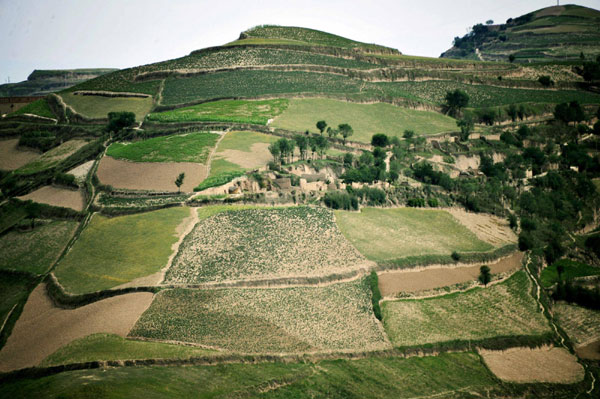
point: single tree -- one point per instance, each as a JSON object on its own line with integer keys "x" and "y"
{"x": 484, "y": 275}
{"x": 546, "y": 81}
{"x": 346, "y": 131}
{"x": 179, "y": 181}
{"x": 455, "y": 101}
{"x": 512, "y": 112}
{"x": 380, "y": 140}
{"x": 322, "y": 145}
{"x": 119, "y": 120}
{"x": 511, "y": 58}
{"x": 408, "y": 134}
{"x": 321, "y": 125}
{"x": 302, "y": 144}
{"x": 466, "y": 125}
{"x": 275, "y": 151}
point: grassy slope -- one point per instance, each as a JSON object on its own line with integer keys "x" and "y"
{"x": 572, "y": 269}
{"x": 503, "y": 309}
{"x": 385, "y": 234}
{"x": 190, "y": 147}
{"x": 52, "y": 158}
{"x": 366, "y": 119}
{"x": 113, "y": 251}
{"x": 374, "y": 377}
{"x": 240, "y": 111}
{"x": 13, "y": 289}
{"x": 35, "y": 251}
{"x": 39, "y": 107}
{"x": 238, "y": 141}
{"x": 113, "y": 347}
{"x": 99, "y": 106}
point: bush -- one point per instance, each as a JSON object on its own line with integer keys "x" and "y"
{"x": 120, "y": 120}
{"x": 341, "y": 200}
{"x": 64, "y": 179}
{"x": 416, "y": 202}
{"x": 380, "y": 140}
{"x": 433, "y": 202}
{"x": 546, "y": 81}
{"x": 455, "y": 256}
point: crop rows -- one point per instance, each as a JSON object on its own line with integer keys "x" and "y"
{"x": 263, "y": 244}
{"x": 335, "y": 317}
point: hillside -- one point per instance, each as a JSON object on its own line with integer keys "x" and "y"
{"x": 549, "y": 34}
{"x": 41, "y": 82}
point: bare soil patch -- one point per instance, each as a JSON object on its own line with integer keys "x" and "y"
{"x": 11, "y": 157}
{"x": 465, "y": 163}
{"x": 257, "y": 156}
{"x": 431, "y": 277}
{"x": 44, "y": 328}
{"x": 154, "y": 176}
{"x": 546, "y": 364}
{"x": 80, "y": 172}
{"x": 488, "y": 228}
{"x": 57, "y": 196}
{"x": 589, "y": 351}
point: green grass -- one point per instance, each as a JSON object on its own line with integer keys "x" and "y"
{"x": 113, "y": 347}
{"x": 388, "y": 234}
{"x": 113, "y": 251}
{"x": 100, "y": 106}
{"x": 298, "y": 319}
{"x": 444, "y": 376}
{"x": 52, "y": 158}
{"x": 264, "y": 243}
{"x": 190, "y": 147}
{"x": 36, "y": 250}
{"x": 501, "y": 310}
{"x": 14, "y": 289}
{"x": 366, "y": 119}
{"x": 225, "y": 175}
{"x": 39, "y": 107}
{"x": 10, "y": 215}
{"x": 571, "y": 269}
{"x": 239, "y": 111}
{"x": 243, "y": 141}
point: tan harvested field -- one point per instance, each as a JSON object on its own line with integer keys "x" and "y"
{"x": 487, "y": 228}
{"x": 257, "y": 156}
{"x": 11, "y": 157}
{"x": 583, "y": 327}
{"x": 546, "y": 364}
{"x": 44, "y": 328}
{"x": 431, "y": 277}
{"x": 152, "y": 176}
{"x": 80, "y": 172}
{"x": 57, "y": 196}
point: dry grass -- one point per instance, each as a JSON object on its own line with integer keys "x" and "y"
{"x": 152, "y": 176}
{"x": 44, "y": 328}
{"x": 583, "y": 327}
{"x": 57, "y": 196}
{"x": 487, "y": 228}
{"x": 299, "y": 319}
{"x": 546, "y": 364}
{"x": 80, "y": 172}
{"x": 258, "y": 244}
{"x": 11, "y": 157}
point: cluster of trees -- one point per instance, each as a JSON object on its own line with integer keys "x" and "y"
{"x": 283, "y": 149}
{"x": 478, "y": 34}
{"x": 343, "y": 129}
{"x": 367, "y": 168}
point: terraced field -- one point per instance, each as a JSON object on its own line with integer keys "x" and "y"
{"x": 238, "y": 152}
{"x": 571, "y": 270}
{"x": 365, "y": 119}
{"x": 12, "y": 157}
{"x": 277, "y": 320}
{"x": 53, "y": 157}
{"x": 580, "y": 323}
{"x": 503, "y": 309}
{"x": 57, "y": 196}
{"x": 100, "y": 106}
{"x": 39, "y": 107}
{"x": 259, "y": 244}
{"x": 114, "y": 251}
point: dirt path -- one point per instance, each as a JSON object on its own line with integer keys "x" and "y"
{"x": 394, "y": 282}
{"x": 44, "y": 328}
{"x": 213, "y": 152}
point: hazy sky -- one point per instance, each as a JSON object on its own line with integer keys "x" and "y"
{"x": 55, "y": 34}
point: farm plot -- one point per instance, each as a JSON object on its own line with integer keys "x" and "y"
{"x": 429, "y": 278}
{"x": 503, "y": 309}
{"x": 100, "y": 106}
{"x": 366, "y": 119}
{"x": 53, "y": 157}
{"x": 14, "y": 289}
{"x": 11, "y": 157}
{"x": 38, "y": 107}
{"x": 487, "y": 228}
{"x": 389, "y": 234}
{"x": 35, "y": 250}
{"x": 114, "y": 347}
{"x": 44, "y": 328}
{"x": 241, "y": 151}
{"x": 114, "y": 251}
{"x": 190, "y": 147}
{"x": 571, "y": 270}
{"x": 582, "y": 326}
{"x": 57, "y": 196}
{"x": 149, "y": 176}
{"x": 263, "y": 244}
{"x": 300, "y": 319}
{"x": 522, "y": 365}
{"x": 257, "y": 112}
{"x": 81, "y": 171}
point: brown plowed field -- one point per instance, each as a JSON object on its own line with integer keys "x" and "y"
{"x": 11, "y": 157}
{"x": 391, "y": 283}
{"x": 589, "y": 351}
{"x": 43, "y": 328}
{"x": 154, "y": 176}
{"x": 57, "y": 197}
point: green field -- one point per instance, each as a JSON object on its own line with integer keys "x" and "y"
{"x": 580, "y": 324}
{"x": 268, "y": 243}
{"x": 239, "y": 111}
{"x": 100, "y": 106}
{"x": 14, "y": 289}
{"x": 388, "y": 234}
{"x": 444, "y": 376}
{"x": 113, "y": 347}
{"x": 365, "y": 119}
{"x": 189, "y": 147}
{"x": 299, "y": 319}
{"x": 52, "y": 158}
{"x": 38, "y": 107}
{"x": 34, "y": 251}
{"x": 114, "y": 251}
{"x": 500, "y": 310}
{"x": 571, "y": 270}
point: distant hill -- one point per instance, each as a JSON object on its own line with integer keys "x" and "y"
{"x": 41, "y": 82}
{"x": 549, "y": 34}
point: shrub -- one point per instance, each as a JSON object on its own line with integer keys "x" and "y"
{"x": 525, "y": 242}
{"x": 416, "y": 202}
{"x": 380, "y": 140}
{"x": 455, "y": 256}
{"x": 65, "y": 179}
{"x": 341, "y": 200}
{"x": 546, "y": 81}
{"x": 433, "y": 202}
